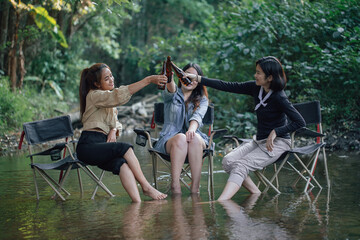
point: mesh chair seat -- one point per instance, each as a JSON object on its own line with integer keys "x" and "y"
{"x": 59, "y": 165}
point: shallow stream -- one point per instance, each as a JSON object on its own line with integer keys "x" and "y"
{"x": 332, "y": 213}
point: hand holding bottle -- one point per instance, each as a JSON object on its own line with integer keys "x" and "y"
{"x": 193, "y": 77}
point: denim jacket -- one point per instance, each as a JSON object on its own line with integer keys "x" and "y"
{"x": 177, "y": 119}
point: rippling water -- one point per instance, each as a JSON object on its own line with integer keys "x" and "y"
{"x": 328, "y": 214}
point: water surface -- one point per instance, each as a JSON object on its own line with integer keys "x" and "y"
{"x": 332, "y": 213}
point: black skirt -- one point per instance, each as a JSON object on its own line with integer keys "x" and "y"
{"x": 93, "y": 149}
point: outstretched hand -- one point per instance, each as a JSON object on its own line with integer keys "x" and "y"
{"x": 193, "y": 77}
{"x": 157, "y": 79}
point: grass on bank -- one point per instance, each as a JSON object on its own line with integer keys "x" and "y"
{"x": 26, "y": 105}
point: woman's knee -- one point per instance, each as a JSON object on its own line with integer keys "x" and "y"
{"x": 197, "y": 142}
{"x": 178, "y": 141}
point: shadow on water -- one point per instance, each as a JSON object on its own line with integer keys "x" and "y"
{"x": 326, "y": 214}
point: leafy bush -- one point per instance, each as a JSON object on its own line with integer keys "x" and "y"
{"x": 28, "y": 105}
{"x": 14, "y": 109}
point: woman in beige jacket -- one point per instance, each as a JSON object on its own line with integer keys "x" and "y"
{"x": 97, "y": 144}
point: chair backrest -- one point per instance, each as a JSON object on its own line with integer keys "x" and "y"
{"x": 310, "y": 111}
{"x": 159, "y": 114}
{"x": 48, "y": 130}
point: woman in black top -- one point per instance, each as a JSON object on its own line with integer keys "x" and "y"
{"x": 272, "y": 109}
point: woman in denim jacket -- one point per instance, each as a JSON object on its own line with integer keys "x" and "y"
{"x": 184, "y": 109}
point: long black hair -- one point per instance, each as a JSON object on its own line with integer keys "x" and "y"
{"x": 272, "y": 66}
{"x": 90, "y": 79}
{"x": 200, "y": 90}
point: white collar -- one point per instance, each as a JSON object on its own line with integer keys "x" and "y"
{"x": 262, "y": 101}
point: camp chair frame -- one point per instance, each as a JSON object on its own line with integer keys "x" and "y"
{"x": 311, "y": 112}
{"x": 144, "y": 138}
{"x": 47, "y": 131}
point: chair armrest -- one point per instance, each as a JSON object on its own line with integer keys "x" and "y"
{"x": 51, "y": 151}
{"x": 236, "y": 139}
{"x": 143, "y": 136}
{"x": 216, "y": 134}
{"x": 306, "y": 132}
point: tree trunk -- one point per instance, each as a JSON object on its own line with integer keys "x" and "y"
{"x": 4, "y": 10}
{"x": 12, "y": 54}
{"x": 21, "y": 64}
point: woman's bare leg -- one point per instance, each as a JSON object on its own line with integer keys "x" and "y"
{"x": 195, "y": 153}
{"x": 250, "y": 185}
{"x": 129, "y": 183}
{"x": 134, "y": 165}
{"x": 178, "y": 149}
{"x": 229, "y": 191}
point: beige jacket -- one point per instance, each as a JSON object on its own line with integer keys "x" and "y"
{"x": 100, "y": 111}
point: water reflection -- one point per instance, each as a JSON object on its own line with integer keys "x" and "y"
{"x": 189, "y": 224}
{"x": 138, "y": 219}
{"x": 292, "y": 215}
{"x": 242, "y": 226}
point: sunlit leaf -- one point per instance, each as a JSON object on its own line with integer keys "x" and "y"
{"x": 57, "y": 89}
{"x": 48, "y": 23}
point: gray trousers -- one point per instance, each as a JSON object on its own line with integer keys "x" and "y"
{"x": 252, "y": 156}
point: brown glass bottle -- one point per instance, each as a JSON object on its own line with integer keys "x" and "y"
{"x": 168, "y": 69}
{"x": 163, "y": 72}
{"x": 180, "y": 74}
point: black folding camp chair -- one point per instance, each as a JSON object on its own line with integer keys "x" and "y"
{"x": 144, "y": 138}
{"x": 311, "y": 112}
{"x": 57, "y": 133}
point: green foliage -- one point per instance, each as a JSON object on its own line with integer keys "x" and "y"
{"x": 28, "y": 105}
{"x": 13, "y": 108}
{"x": 317, "y": 42}
{"x": 47, "y": 23}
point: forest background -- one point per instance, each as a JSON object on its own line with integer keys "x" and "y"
{"x": 44, "y": 45}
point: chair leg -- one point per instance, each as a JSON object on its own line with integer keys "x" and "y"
{"x": 61, "y": 183}
{"x": 276, "y": 173}
{"x": 211, "y": 174}
{"x": 260, "y": 180}
{"x": 80, "y": 182}
{"x": 36, "y": 186}
{"x": 299, "y": 173}
{"x": 307, "y": 170}
{"x": 303, "y": 171}
{"x": 97, "y": 186}
{"x": 267, "y": 181}
{"x": 276, "y": 178}
{"x": 90, "y": 173}
{"x": 312, "y": 170}
{"x": 44, "y": 176}
{"x": 326, "y": 168}
{"x": 155, "y": 169}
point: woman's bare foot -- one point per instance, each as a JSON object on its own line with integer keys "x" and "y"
{"x": 195, "y": 190}
{"x": 152, "y": 192}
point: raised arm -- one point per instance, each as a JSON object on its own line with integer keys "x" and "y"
{"x": 233, "y": 87}
{"x": 155, "y": 79}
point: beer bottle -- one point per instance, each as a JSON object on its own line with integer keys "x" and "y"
{"x": 168, "y": 69}
{"x": 180, "y": 74}
{"x": 163, "y": 72}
